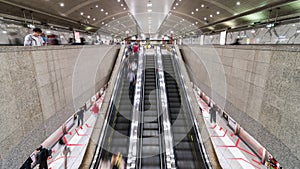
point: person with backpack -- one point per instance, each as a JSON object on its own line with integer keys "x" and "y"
{"x": 34, "y": 39}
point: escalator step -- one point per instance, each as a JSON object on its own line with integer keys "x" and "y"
{"x": 150, "y": 133}
{"x": 148, "y": 126}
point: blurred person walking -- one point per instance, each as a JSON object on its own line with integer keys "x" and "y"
{"x": 34, "y": 39}
{"x": 80, "y": 117}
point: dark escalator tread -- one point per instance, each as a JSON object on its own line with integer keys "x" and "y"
{"x": 183, "y": 164}
{"x": 153, "y": 126}
{"x": 151, "y": 162}
{"x": 151, "y": 141}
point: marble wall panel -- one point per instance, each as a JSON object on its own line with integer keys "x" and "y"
{"x": 262, "y": 92}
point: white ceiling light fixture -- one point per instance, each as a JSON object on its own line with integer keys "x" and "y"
{"x": 89, "y": 16}
{"x": 81, "y": 13}
{"x": 149, "y": 10}
{"x": 113, "y": 18}
{"x": 124, "y": 8}
{"x": 211, "y": 16}
{"x": 106, "y": 13}
{"x": 102, "y": 23}
{"x": 196, "y": 23}
{"x": 97, "y": 6}
{"x": 238, "y": 3}
{"x": 176, "y": 4}
{"x": 174, "y": 7}
{"x": 192, "y": 13}
{"x": 149, "y": 4}
{"x": 94, "y": 19}
{"x": 205, "y": 18}
{"x": 218, "y": 13}
{"x": 122, "y": 5}
{"x": 202, "y": 5}
{"x": 62, "y": 4}
{"x": 119, "y": 0}
{"x": 197, "y": 9}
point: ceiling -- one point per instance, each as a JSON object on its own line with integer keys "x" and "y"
{"x": 130, "y": 17}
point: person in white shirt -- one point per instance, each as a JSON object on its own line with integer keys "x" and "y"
{"x": 34, "y": 39}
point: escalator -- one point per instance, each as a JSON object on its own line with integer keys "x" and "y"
{"x": 117, "y": 134}
{"x": 150, "y": 121}
{"x": 186, "y": 149}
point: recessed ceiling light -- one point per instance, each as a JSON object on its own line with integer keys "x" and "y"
{"x": 124, "y": 8}
{"x": 176, "y": 4}
{"x": 196, "y": 22}
{"x": 193, "y": 24}
{"x": 88, "y": 16}
{"x": 105, "y": 24}
{"x": 102, "y": 10}
{"x": 97, "y": 6}
{"x": 121, "y": 4}
{"x": 106, "y": 13}
{"x": 62, "y": 4}
{"x": 192, "y": 13}
{"x": 4, "y": 32}
{"x": 102, "y": 23}
{"x": 238, "y": 3}
{"x": 149, "y": 10}
{"x": 182, "y": 19}
{"x": 211, "y": 16}
{"x": 218, "y": 12}
{"x": 197, "y": 9}
{"x": 81, "y": 13}
{"x": 119, "y": 0}
{"x": 174, "y": 7}
{"x": 202, "y": 5}
{"x": 205, "y": 18}
{"x": 113, "y": 18}
{"x": 94, "y": 19}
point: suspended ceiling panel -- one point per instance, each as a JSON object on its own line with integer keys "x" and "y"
{"x": 149, "y": 17}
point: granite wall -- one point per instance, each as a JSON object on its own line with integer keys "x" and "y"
{"x": 41, "y": 87}
{"x": 259, "y": 86}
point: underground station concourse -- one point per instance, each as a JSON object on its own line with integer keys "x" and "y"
{"x": 150, "y": 84}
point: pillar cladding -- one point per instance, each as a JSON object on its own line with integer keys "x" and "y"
{"x": 40, "y": 88}
{"x": 262, "y": 91}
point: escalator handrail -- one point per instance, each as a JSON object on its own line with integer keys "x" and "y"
{"x": 133, "y": 142}
{"x": 168, "y": 137}
{"x": 191, "y": 115}
{"x": 97, "y": 154}
{"x": 161, "y": 147}
{"x": 141, "y": 120}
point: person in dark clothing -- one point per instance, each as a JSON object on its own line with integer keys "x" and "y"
{"x": 80, "y": 116}
{"x": 237, "y": 42}
{"x": 213, "y": 113}
{"x": 42, "y": 157}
